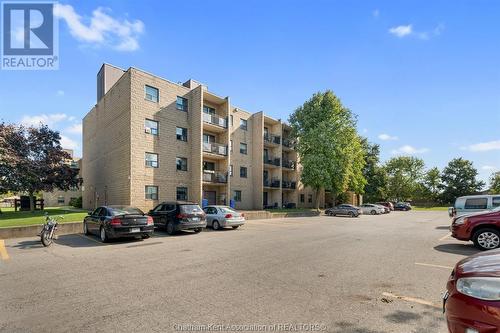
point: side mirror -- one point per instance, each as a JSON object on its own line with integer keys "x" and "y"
{"x": 90, "y": 212}
{"x": 150, "y": 212}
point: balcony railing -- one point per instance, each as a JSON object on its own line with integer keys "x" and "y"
{"x": 215, "y": 120}
{"x": 289, "y": 164}
{"x": 288, "y": 143}
{"x": 272, "y": 161}
{"x": 215, "y": 148}
{"x": 289, "y": 184}
{"x": 272, "y": 183}
{"x": 271, "y": 138}
{"x": 214, "y": 177}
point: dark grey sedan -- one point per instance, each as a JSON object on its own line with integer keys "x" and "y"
{"x": 344, "y": 209}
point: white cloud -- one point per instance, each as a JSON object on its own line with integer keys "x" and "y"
{"x": 483, "y": 146}
{"x": 68, "y": 143}
{"x": 488, "y": 167}
{"x": 60, "y": 93}
{"x": 387, "y": 137}
{"x": 45, "y": 119}
{"x": 409, "y": 150}
{"x": 74, "y": 129}
{"x": 376, "y": 13}
{"x": 102, "y": 30}
{"x": 401, "y": 30}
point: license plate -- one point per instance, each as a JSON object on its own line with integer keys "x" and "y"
{"x": 135, "y": 229}
{"x": 195, "y": 219}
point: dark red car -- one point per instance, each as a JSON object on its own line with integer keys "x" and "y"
{"x": 472, "y": 300}
{"x": 481, "y": 228}
{"x": 386, "y": 204}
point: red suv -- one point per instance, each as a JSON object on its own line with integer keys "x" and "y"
{"x": 472, "y": 300}
{"x": 481, "y": 228}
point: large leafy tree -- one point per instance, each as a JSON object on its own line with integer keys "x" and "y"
{"x": 375, "y": 175}
{"x": 404, "y": 176}
{"x": 431, "y": 184}
{"x": 32, "y": 160}
{"x": 495, "y": 183}
{"x": 458, "y": 179}
{"x": 328, "y": 145}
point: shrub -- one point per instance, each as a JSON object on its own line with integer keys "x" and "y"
{"x": 76, "y": 202}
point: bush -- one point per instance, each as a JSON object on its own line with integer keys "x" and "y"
{"x": 76, "y": 202}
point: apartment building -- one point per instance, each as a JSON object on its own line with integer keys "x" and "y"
{"x": 149, "y": 140}
{"x": 63, "y": 198}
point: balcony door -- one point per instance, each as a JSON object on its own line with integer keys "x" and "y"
{"x": 210, "y": 196}
{"x": 266, "y": 155}
{"x": 208, "y": 138}
{"x": 264, "y": 199}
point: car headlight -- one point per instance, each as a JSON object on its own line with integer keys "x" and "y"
{"x": 460, "y": 220}
{"x": 484, "y": 288}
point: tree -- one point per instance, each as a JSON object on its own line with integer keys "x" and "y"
{"x": 495, "y": 183}
{"x": 431, "y": 185}
{"x": 32, "y": 160}
{"x": 404, "y": 175}
{"x": 375, "y": 175}
{"x": 458, "y": 179}
{"x": 328, "y": 145}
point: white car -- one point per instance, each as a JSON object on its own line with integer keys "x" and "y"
{"x": 372, "y": 209}
{"x": 223, "y": 216}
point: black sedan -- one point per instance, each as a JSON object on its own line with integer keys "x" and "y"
{"x": 118, "y": 221}
{"x": 402, "y": 206}
{"x": 348, "y": 210}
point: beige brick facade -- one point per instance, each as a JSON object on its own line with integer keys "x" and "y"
{"x": 116, "y": 140}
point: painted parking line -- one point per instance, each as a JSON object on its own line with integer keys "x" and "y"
{"x": 412, "y": 300}
{"x": 433, "y": 265}
{"x": 444, "y": 237}
{"x": 3, "y": 251}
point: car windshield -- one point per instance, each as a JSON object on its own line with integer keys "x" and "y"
{"x": 191, "y": 209}
{"x": 227, "y": 210}
{"x": 124, "y": 210}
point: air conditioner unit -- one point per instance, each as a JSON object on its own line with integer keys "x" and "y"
{"x": 147, "y": 130}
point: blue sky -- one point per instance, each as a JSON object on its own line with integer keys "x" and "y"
{"x": 423, "y": 80}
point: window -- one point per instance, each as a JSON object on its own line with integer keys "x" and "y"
{"x": 208, "y": 138}
{"x": 302, "y": 198}
{"x": 243, "y": 124}
{"x": 151, "y": 127}
{"x": 60, "y": 200}
{"x": 182, "y": 133}
{"x": 151, "y": 93}
{"x": 182, "y": 163}
{"x": 208, "y": 166}
{"x": 476, "y": 203}
{"x": 495, "y": 201}
{"x": 151, "y": 160}
{"x": 237, "y": 196}
{"x": 231, "y": 170}
{"x": 310, "y": 198}
{"x": 231, "y": 120}
{"x": 182, "y": 193}
{"x": 208, "y": 109}
{"x": 181, "y": 104}
{"x": 243, "y": 148}
{"x": 151, "y": 192}
{"x": 243, "y": 172}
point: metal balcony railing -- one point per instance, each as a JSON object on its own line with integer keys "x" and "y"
{"x": 215, "y": 120}
{"x": 215, "y": 148}
{"x": 289, "y": 164}
{"x": 272, "y": 183}
{"x": 289, "y": 184}
{"x": 210, "y": 176}
{"x": 272, "y": 161}
{"x": 271, "y": 138}
{"x": 288, "y": 143}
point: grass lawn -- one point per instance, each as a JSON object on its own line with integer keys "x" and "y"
{"x": 290, "y": 210}
{"x": 10, "y": 218}
{"x": 440, "y": 208}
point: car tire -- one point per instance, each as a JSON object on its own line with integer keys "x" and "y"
{"x": 215, "y": 225}
{"x": 373, "y": 212}
{"x": 198, "y": 230}
{"x": 170, "y": 228}
{"x": 235, "y": 226}
{"x": 351, "y": 214}
{"x": 145, "y": 236}
{"x": 486, "y": 239}
{"x": 85, "y": 229}
{"x": 103, "y": 235}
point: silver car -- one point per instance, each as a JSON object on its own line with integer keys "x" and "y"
{"x": 223, "y": 216}
{"x": 371, "y": 209}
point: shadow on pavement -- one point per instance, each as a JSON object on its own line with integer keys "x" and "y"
{"x": 29, "y": 244}
{"x": 443, "y": 227}
{"x": 462, "y": 249}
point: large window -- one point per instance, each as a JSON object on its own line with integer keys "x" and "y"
{"x": 243, "y": 148}
{"x": 208, "y": 109}
{"x": 243, "y": 124}
{"x": 151, "y": 93}
{"x": 243, "y": 172}
{"x": 151, "y": 192}
{"x": 237, "y": 196}
{"x": 151, "y": 160}
{"x": 151, "y": 127}
{"x": 302, "y": 198}
{"x": 310, "y": 198}
{"x": 181, "y": 133}
{"x": 182, "y": 193}
{"x": 181, "y": 104}
{"x": 60, "y": 200}
{"x": 182, "y": 163}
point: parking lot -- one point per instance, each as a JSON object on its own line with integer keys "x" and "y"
{"x": 366, "y": 275}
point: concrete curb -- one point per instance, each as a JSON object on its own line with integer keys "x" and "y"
{"x": 34, "y": 230}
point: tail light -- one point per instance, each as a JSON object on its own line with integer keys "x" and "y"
{"x": 150, "y": 220}
{"x": 116, "y": 221}
{"x": 182, "y": 216}
{"x": 228, "y": 216}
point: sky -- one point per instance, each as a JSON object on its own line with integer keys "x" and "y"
{"x": 422, "y": 80}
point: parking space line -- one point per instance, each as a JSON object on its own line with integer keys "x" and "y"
{"x": 444, "y": 237}
{"x": 3, "y": 251}
{"x": 412, "y": 300}
{"x": 432, "y": 265}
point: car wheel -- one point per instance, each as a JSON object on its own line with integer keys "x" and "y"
{"x": 85, "y": 229}
{"x": 351, "y": 214}
{"x": 486, "y": 239}
{"x": 104, "y": 235}
{"x": 197, "y": 230}
{"x": 373, "y": 212}
{"x": 145, "y": 236}
{"x": 170, "y": 228}
{"x": 235, "y": 226}
{"x": 215, "y": 225}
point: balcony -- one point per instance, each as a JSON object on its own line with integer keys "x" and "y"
{"x": 288, "y": 164}
{"x": 214, "y": 122}
{"x": 214, "y": 177}
{"x": 289, "y": 185}
{"x": 289, "y": 144}
{"x": 271, "y": 139}
{"x": 273, "y": 183}
{"x": 272, "y": 162}
{"x": 215, "y": 148}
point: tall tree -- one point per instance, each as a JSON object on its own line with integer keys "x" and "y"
{"x": 458, "y": 179}
{"x": 375, "y": 175}
{"x": 328, "y": 145}
{"x": 495, "y": 183}
{"x": 32, "y": 160}
{"x": 431, "y": 185}
{"x": 404, "y": 176}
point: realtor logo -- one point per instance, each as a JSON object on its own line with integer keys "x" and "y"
{"x": 29, "y": 36}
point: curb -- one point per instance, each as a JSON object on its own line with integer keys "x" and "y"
{"x": 34, "y": 230}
